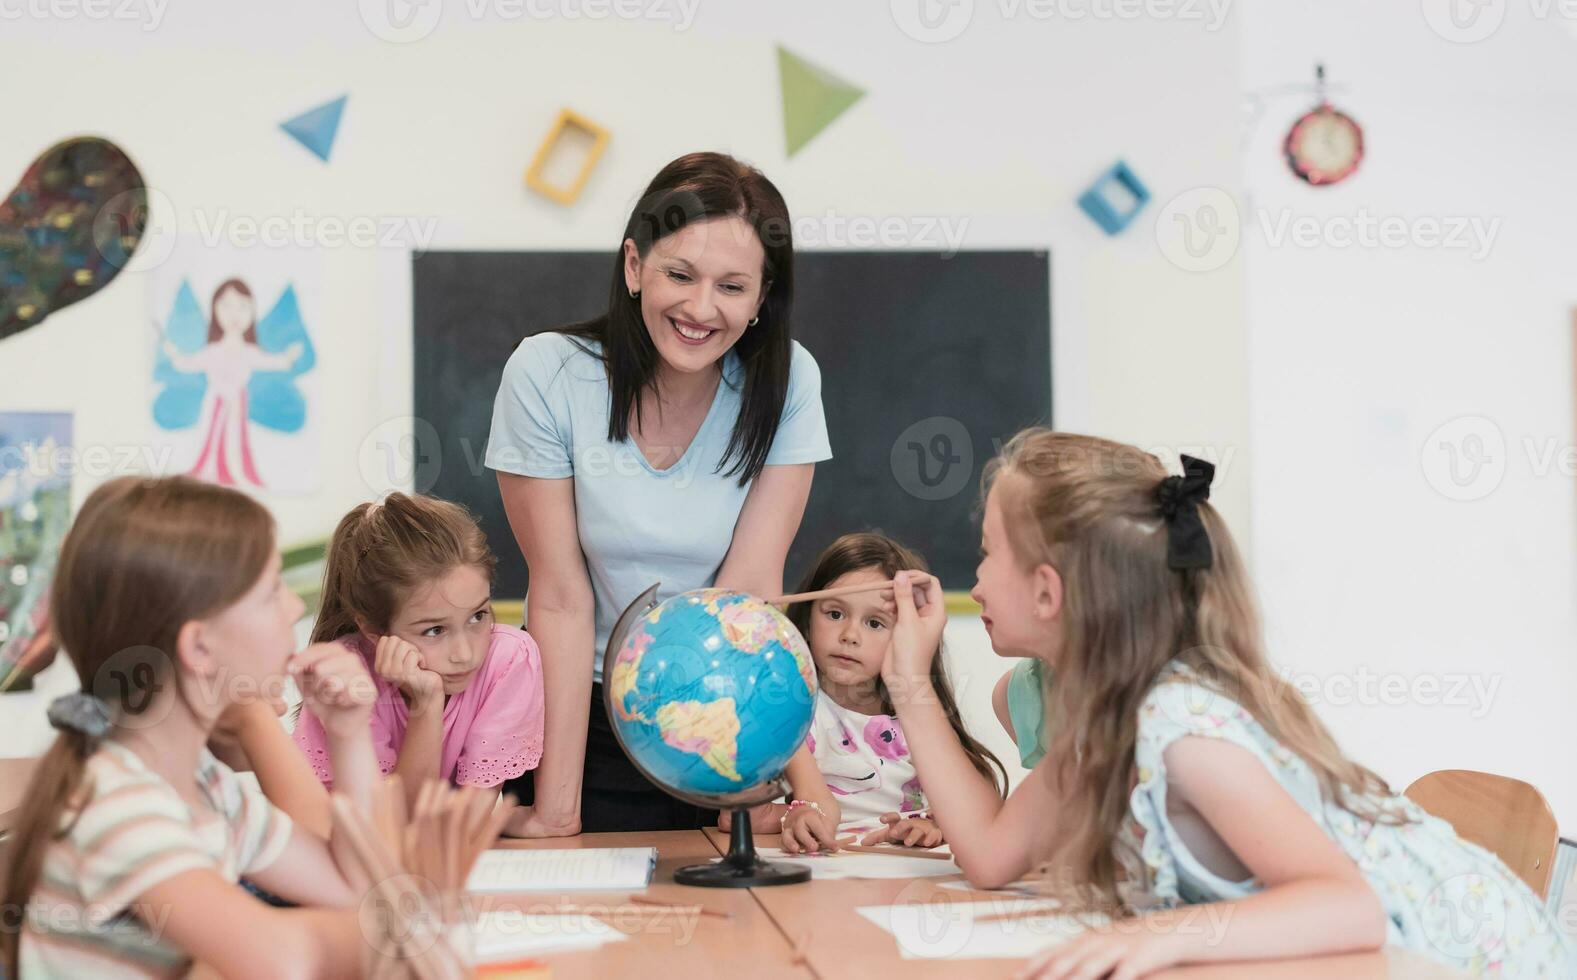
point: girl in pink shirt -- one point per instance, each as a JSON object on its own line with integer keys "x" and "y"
{"x": 409, "y": 587}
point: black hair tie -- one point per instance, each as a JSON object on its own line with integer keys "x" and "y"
{"x": 1188, "y": 545}
{"x": 82, "y": 712}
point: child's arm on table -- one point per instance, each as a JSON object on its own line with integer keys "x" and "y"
{"x": 803, "y": 829}
{"x": 990, "y": 839}
{"x": 1315, "y": 900}
{"x": 281, "y": 769}
{"x": 232, "y": 934}
{"x": 310, "y": 870}
{"x": 562, "y": 611}
{"x": 922, "y": 830}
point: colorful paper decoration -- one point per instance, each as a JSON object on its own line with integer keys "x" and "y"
{"x": 68, "y": 228}
{"x": 35, "y": 511}
{"x": 568, "y": 120}
{"x": 315, "y": 129}
{"x": 1115, "y": 198}
{"x": 812, "y": 98}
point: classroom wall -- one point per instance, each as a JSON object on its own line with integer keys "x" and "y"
{"x": 996, "y": 131}
{"x": 1432, "y": 615}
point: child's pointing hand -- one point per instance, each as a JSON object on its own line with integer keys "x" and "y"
{"x": 918, "y": 630}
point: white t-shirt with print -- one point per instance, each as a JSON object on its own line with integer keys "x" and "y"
{"x": 865, "y": 761}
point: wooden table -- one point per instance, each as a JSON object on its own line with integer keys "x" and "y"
{"x": 665, "y": 947}
{"x": 844, "y": 944}
{"x": 767, "y": 923}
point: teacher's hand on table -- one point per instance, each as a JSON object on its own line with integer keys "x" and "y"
{"x": 528, "y": 821}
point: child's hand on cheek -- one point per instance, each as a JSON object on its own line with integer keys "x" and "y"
{"x": 336, "y": 686}
{"x": 918, "y": 630}
{"x": 401, "y": 664}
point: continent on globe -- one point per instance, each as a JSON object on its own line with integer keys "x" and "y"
{"x": 795, "y": 644}
{"x": 710, "y": 692}
{"x": 709, "y": 730}
{"x": 625, "y": 671}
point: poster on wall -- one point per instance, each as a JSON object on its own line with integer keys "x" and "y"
{"x": 235, "y": 377}
{"x": 35, "y": 510}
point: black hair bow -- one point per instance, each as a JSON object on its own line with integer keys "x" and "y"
{"x": 1188, "y": 546}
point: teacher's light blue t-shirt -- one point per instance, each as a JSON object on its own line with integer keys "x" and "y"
{"x": 638, "y": 525}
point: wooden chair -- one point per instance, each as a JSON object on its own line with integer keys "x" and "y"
{"x": 1505, "y": 816}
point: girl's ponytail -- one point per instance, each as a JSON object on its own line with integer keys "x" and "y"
{"x": 56, "y": 780}
{"x": 336, "y": 617}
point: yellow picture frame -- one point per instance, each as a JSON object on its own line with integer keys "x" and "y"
{"x": 567, "y": 119}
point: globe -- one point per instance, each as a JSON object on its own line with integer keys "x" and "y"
{"x": 710, "y": 692}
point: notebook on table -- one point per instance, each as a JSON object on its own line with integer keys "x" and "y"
{"x": 606, "y": 869}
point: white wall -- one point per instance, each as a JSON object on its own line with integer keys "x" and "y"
{"x": 1359, "y": 354}
{"x": 1003, "y": 126}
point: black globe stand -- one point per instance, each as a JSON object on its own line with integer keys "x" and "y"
{"x": 741, "y": 867}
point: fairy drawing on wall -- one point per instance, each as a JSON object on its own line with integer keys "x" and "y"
{"x": 228, "y": 370}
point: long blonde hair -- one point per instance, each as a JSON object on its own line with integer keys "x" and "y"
{"x": 1088, "y": 507}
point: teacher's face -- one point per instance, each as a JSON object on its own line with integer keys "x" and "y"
{"x": 700, "y": 287}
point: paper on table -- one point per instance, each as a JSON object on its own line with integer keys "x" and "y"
{"x": 948, "y": 930}
{"x": 510, "y": 934}
{"x": 586, "y": 869}
{"x": 1024, "y": 886}
{"x": 854, "y": 865}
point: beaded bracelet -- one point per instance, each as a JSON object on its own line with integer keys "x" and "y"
{"x": 795, "y": 805}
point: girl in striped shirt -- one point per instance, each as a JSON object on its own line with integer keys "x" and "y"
{"x": 169, "y": 601}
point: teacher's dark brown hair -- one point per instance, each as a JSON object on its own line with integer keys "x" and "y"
{"x": 693, "y": 188}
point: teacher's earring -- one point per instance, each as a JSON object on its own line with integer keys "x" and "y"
{"x": 753, "y": 321}
{"x": 635, "y": 294}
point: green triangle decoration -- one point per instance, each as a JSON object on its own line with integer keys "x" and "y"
{"x": 812, "y": 98}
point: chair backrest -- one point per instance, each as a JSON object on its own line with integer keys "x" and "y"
{"x": 1503, "y": 815}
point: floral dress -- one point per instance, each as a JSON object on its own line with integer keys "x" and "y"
{"x": 1444, "y": 898}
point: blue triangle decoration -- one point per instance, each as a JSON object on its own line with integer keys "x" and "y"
{"x": 315, "y": 129}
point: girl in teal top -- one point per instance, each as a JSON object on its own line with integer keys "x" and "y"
{"x": 1178, "y": 782}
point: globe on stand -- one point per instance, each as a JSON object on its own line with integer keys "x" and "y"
{"x": 710, "y": 693}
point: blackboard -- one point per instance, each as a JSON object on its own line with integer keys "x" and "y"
{"x": 929, "y": 361}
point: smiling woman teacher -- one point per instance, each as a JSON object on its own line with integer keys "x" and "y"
{"x": 672, "y": 439}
